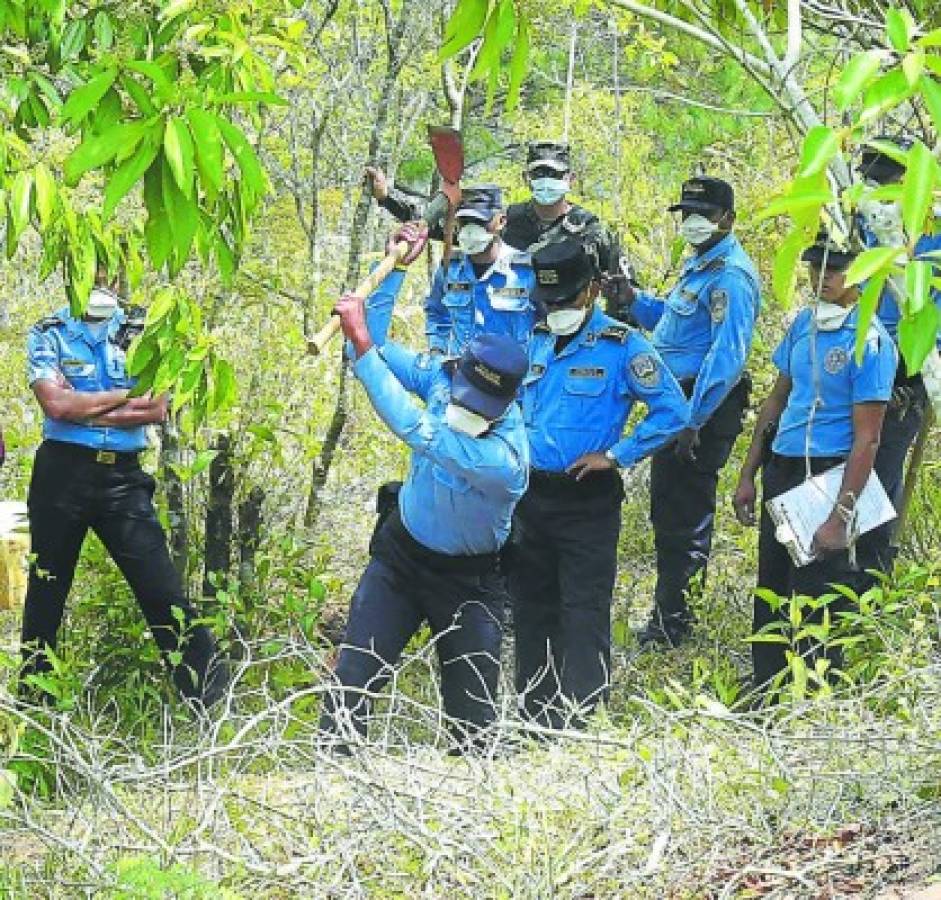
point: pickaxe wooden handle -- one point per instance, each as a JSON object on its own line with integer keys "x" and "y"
{"x": 317, "y": 343}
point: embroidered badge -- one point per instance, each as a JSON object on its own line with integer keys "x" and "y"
{"x": 547, "y": 276}
{"x": 836, "y": 360}
{"x": 718, "y": 304}
{"x": 645, "y": 369}
{"x": 457, "y": 286}
{"x": 537, "y": 369}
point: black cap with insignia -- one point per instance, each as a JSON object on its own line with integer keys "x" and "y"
{"x": 828, "y": 252}
{"x": 879, "y": 167}
{"x": 551, "y": 155}
{"x": 487, "y": 376}
{"x": 562, "y": 270}
{"x": 481, "y": 202}
{"x": 705, "y": 194}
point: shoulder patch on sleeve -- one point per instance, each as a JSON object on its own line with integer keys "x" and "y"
{"x": 645, "y": 369}
{"x": 47, "y": 323}
{"x": 619, "y": 333}
{"x": 718, "y": 304}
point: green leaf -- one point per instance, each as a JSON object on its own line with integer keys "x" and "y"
{"x": 253, "y": 176}
{"x": 931, "y": 39}
{"x": 224, "y": 386}
{"x": 869, "y": 262}
{"x": 917, "y": 187}
{"x": 161, "y": 306}
{"x": 157, "y": 229}
{"x": 868, "y": 303}
{"x": 792, "y": 203}
{"x": 139, "y": 95}
{"x": 7, "y": 787}
{"x": 175, "y": 8}
{"x": 178, "y": 148}
{"x": 912, "y": 67}
{"x": 497, "y": 34}
{"x": 784, "y": 275}
{"x": 208, "y": 150}
{"x": 84, "y": 98}
{"x": 95, "y": 151}
{"x": 519, "y": 63}
{"x": 917, "y": 336}
{"x": 46, "y": 195}
{"x": 20, "y": 199}
{"x": 140, "y": 354}
{"x": 917, "y": 286}
{"x": 104, "y": 31}
{"x": 884, "y": 94}
{"x": 898, "y": 28}
{"x": 856, "y": 76}
{"x": 152, "y": 71}
{"x": 130, "y": 172}
{"x": 931, "y": 93}
{"x": 267, "y": 97}
{"x": 820, "y": 146}
{"x": 183, "y": 216}
{"x": 463, "y": 27}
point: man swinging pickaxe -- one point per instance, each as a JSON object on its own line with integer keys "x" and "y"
{"x": 448, "y": 151}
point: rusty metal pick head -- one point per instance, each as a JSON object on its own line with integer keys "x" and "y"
{"x": 448, "y": 149}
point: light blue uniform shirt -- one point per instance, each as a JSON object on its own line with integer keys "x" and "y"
{"x": 888, "y": 309}
{"x": 460, "y": 492}
{"x": 461, "y": 306}
{"x": 703, "y": 328}
{"x": 842, "y": 383}
{"x": 578, "y": 401}
{"x": 90, "y": 361}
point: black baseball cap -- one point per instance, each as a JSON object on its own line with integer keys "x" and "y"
{"x": 705, "y": 194}
{"x": 562, "y": 270}
{"x": 552, "y": 155}
{"x": 878, "y": 166}
{"x": 829, "y": 253}
{"x": 480, "y": 202}
{"x": 488, "y": 375}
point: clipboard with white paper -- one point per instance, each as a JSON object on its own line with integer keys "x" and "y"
{"x": 799, "y": 512}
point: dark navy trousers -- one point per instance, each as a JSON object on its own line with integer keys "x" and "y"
{"x": 903, "y": 420}
{"x": 683, "y": 506}
{"x": 400, "y": 589}
{"x": 561, "y": 580}
{"x": 777, "y": 573}
{"x": 71, "y": 493}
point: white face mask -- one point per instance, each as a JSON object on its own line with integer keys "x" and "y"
{"x": 102, "y": 304}
{"x": 697, "y": 229}
{"x": 465, "y": 421}
{"x": 565, "y": 321}
{"x": 474, "y": 239}
{"x": 547, "y": 191}
{"x": 830, "y": 316}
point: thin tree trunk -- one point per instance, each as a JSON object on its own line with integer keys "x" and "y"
{"x": 218, "y": 556}
{"x": 176, "y": 505}
{"x": 249, "y": 535}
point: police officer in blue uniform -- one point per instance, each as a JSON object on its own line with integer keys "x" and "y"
{"x": 880, "y": 224}
{"x": 824, "y": 409}
{"x": 586, "y": 372}
{"x": 486, "y": 286}
{"x": 87, "y": 475}
{"x": 703, "y": 330}
{"x": 434, "y": 558}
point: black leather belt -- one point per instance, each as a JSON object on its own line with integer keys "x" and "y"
{"x": 90, "y": 454}
{"x": 481, "y": 564}
{"x": 561, "y": 484}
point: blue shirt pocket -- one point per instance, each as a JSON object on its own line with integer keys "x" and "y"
{"x": 116, "y": 366}
{"x": 80, "y": 372}
{"x": 583, "y": 386}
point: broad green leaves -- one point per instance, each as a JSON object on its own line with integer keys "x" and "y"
{"x": 174, "y": 354}
{"x": 501, "y": 24}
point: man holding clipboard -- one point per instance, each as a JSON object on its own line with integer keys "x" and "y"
{"x": 825, "y": 409}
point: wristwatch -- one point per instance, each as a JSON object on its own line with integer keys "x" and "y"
{"x": 609, "y": 455}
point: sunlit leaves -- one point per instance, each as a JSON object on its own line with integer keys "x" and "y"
{"x": 921, "y": 175}
{"x": 464, "y": 26}
{"x": 857, "y": 74}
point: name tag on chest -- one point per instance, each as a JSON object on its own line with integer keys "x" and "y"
{"x": 587, "y": 372}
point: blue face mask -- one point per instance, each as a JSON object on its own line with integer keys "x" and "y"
{"x": 547, "y": 191}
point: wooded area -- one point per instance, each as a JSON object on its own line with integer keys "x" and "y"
{"x": 215, "y": 151}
